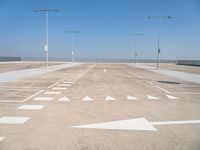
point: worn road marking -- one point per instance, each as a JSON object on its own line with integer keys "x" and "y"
{"x": 131, "y": 98}
{"x": 43, "y": 98}
{"x": 13, "y": 120}
{"x": 87, "y": 98}
{"x": 109, "y": 98}
{"x": 2, "y": 138}
{"x": 68, "y": 82}
{"x": 134, "y": 124}
{"x": 152, "y": 97}
{"x": 162, "y": 89}
{"x": 59, "y": 88}
{"x": 31, "y": 107}
{"x": 65, "y": 85}
{"x": 53, "y": 93}
{"x": 64, "y": 99}
{"x": 172, "y": 97}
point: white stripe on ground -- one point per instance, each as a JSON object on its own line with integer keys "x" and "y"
{"x": 175, "y": 122}
{"x": 52, "y": 93}
{"x": 151, "y": 97}
{"x": 59, "y": 88}
{"x": 2, "y": 138}
{"x": 31, "y": 107}
{"x": 13, "y": 120}
{"x": 43, "y": 98}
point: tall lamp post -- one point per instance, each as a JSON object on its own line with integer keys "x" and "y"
{"x": 47, "y": 20}
{"x": 136, "y": 51}
{"x": 159, "y": 18}
{"x": 72, "y": 40}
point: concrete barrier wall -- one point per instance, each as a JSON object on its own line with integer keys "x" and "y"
{"x": 189, "y": 62}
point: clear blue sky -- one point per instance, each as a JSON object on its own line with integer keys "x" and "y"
{"x": 104, "y": 26}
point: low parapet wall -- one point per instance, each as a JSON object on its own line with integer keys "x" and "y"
{"x": 4, "y": 59}
{"x": 189, "y": 62}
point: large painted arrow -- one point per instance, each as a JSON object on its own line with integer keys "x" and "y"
{"x": 134, "y": 124}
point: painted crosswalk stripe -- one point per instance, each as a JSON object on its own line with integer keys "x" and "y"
{"x": 68, "y": 82}
{"x": 59, "y": 88}
{"x": 131, "y": 98}
{"x": 13, "y": 120}
{"x": 109, "y": 98}
{"x": 172, "y": 97}
{"x": 2, "y": 138}
{"x": 43, "y": 98}
{"x": 152, "y": 97}
{"x": 31, "y": 107}
{"x": 64, "y": 85}
{"x": 53, "y": 93}
{"x": 87, "y": 98}
{"x": 64, "y": 99}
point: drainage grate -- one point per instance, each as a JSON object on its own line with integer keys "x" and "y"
{"x": 169, "y": 82}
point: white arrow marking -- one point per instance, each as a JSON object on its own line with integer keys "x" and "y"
{"x": 2, "y": 138}
{"x": 131, "y": 98}
{"x": 64, "y": 99}
{"x": 87, "y": 98}
{"x": 109, "y": 98}
{"x": 134, "y": 124}
{"x": 152, "y": 97}
{"x": 171, "y": 97}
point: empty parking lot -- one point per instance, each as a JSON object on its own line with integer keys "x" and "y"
{"x": 107, "y": 106}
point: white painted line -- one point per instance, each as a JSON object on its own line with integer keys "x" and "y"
{"x": 73, "y": 80}
{"x": 149, "y": 82}
{"x": 65, "y": 85}
{"x": 134, "y": 124}
{"x": 152, "y": 97}
{"x": 131, "y": 98}
{"x": 30, "y": 97}
{"x": 64, "y": 99}
{"x": 53, "y": 93}
{"x": 59, "y": 81}
{"x": 13, "y": 120}
{"x": 162, "y": 89}
{"x": 2, "y": 138}
{"x": 59, "y": 88}
{"x": 172, "y": 97}
{"x": 87, "y": 98}
{"x": 31, "y": 107}
{"x": 43, "y": 98}
{"x": 68, "y": 82}
{"x": 109, "y": 98}
{"x": 131, "y": 124}
{"x": 176, "y": 122}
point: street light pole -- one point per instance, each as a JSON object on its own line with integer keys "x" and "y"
{"x": 47, "y": 32}
{"x": 72, "y": 40}
{"x": 159, "y": 24}
{"x": 135, "y": 41}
